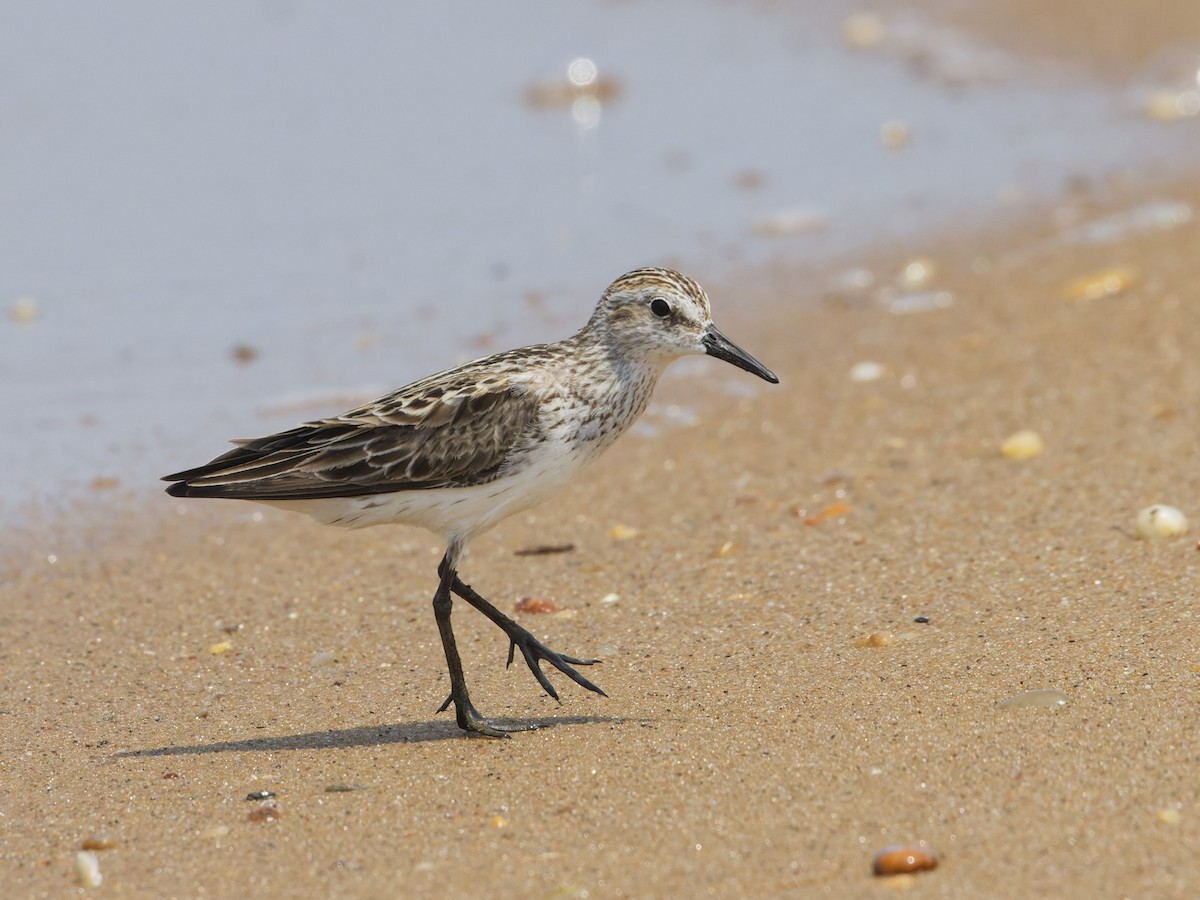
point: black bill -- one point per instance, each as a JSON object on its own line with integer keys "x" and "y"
{"x": 716, "y": 344}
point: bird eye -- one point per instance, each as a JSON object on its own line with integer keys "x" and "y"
{"x": 660, "y": 307}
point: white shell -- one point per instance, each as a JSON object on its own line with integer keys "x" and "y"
{"x": 1160, "y": 521}
{"x": 87, "y": 869}
{"x": 1023, "y": 445}
{"x": 866, "y": 370}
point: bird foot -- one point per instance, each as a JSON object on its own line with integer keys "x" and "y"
{"x": 471, "y": 721}
{"x": 534, "y": 650}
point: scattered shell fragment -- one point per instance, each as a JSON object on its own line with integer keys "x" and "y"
{"x": 1171, "y": 106}
{"x": 1155, "y": 215}
{"x": 832, "y": 511}
{"x": 324, "y": 658}
{"x": 1045, "y": 698}
{"x": 867, "y": 370}
{"x": 790, "y": 223}
{"x": 1168, "y": 89}
{"x": 498, "y": 822}
{"x": 749, "y": 180}
{"x": 1169, "y": 816}
{"x": 23, "y": 310}
{"x": 908, "y": 302}
{"x": 622, "y": 533}
{"x": 1160, "y": 521}
{"x": 87, "y": 869}
{"x": 222, "y": 647}
{"x": 897, "y": 859}
{"x": 610, "y": 598}
{"x": 99, "y": 842}
{"x": 267, "y": 812}
{"x": 917, "y": 274}
{"x": 724, "y": 550}
{"x": 243, "y": 354}
{"x": 1102, "y": 283}
{"x": 535, "y": 605}
{"x": 862, "y": 31}
{"x": 894, "y": 135}
{"x": 876, "y": 639}
{"x": 583, "y": 82}
{"x": 544, "y": 550}
{"x": 1023, "y": 444}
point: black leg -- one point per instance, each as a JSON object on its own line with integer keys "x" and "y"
{"x": 531, "y": 648}
{"x": 465, "y": 713}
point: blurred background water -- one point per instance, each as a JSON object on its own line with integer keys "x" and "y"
{"x": 217, "y": 219}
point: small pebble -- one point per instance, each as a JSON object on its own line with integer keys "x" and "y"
{"x": 498, "y": 822}
{"x": 221, "y": 648}
{"x": 343, "y": 788}
{"x": 724, "y": 550}
{"x": 260, "y": 795}
{"x": 324, "y": 658}
{"x": 622, "y": 533}
{"x": 87, "y": 869}
{"x": 1023, "y": 445}
{"x": 897, "y": 859}
{"x": 1040, "y": 698}
{"x": 609, "y": 599}
{"x": 1160, "y": 521}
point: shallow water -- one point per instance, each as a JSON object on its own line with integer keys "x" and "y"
{"x": 356, "y": 199}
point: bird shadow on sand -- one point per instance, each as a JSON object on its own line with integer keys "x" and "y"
{"x": 366, "y": 736}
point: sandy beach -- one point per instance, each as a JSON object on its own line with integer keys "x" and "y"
{"x": 811, "y": 601}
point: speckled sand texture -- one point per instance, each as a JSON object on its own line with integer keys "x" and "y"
{"x": 752, "y": 574}
{"x": 758, "y": 739}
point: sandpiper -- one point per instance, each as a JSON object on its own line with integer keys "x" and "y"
{"x": 459, "y": 451}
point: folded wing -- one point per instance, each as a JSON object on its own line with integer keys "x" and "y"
{"x": 448, "y": 434}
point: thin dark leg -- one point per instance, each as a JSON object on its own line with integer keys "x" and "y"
{"x": 531, "y": 648}
{"x": 465, "y": 713}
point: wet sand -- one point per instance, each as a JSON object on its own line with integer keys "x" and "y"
{"x": 776, "y": 713}
{"x": 751, "y": 745}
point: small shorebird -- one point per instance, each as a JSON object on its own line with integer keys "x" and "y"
{"x": 459, "y": 451}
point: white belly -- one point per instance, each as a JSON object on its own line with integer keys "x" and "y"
{"x": 451, "y": 512}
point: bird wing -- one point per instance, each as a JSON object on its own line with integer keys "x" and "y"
{"x": 451, "y": 430}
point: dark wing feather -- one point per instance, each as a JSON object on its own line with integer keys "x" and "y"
{"x": 452, "y": 434}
